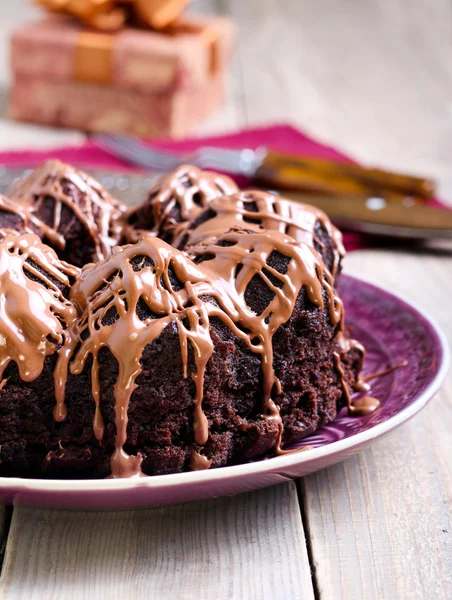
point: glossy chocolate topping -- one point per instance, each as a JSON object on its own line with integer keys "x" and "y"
{"x": 259, "y": 210}
{"x": 35, "y": 315}
{"x": 108, "y": 295}
{"x": 88, "y": 202}
{"x": 384, "y": 372}
{"x": 15, "y": 219}
{"x": 175, "y": 289}
{"x": 234, "y": 259}
{"x": 126, "y": 300}
{"x": 174, "y": 201}
{"x": 365, "y": 405}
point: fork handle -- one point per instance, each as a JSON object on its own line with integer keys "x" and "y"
{"x": 321, "y": 176}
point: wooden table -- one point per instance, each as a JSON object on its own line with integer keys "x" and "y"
{"x": 374, "y": 78}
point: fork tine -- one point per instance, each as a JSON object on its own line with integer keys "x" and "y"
{"x": 170, "y": 160}
{"x": 134, "y": 153}
{"x": 139, "y": 144}
{"x": 118, "y": 150}
{"x": 139, "y": 153}
{"x": 153, "y": 159}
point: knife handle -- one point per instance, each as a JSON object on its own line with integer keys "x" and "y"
{"x": 325, "y": 177}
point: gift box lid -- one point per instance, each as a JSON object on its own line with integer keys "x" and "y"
{"x": 184, "y": 55}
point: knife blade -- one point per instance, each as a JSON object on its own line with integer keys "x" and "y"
{"x": 377, "y": 216}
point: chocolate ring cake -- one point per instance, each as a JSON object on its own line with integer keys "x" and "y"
{"x": 155, "y": 360}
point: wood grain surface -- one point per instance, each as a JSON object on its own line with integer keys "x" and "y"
{"x": 373, "y": 78}
{"x": 248, "y": 546}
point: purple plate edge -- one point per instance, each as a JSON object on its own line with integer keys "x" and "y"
{"x": 273, "y": 465}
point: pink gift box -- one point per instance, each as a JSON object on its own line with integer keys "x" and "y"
{"x": 136, "y": 81}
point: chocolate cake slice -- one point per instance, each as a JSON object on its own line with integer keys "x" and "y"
{"x": 81, "y": 218}
{"x": 174, "y": 201}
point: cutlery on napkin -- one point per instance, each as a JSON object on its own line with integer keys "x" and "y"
{"x": 275, "y": 170}
{"x": 356, "y": 198}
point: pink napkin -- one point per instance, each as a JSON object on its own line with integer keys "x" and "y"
{"x": 282, "y": 138}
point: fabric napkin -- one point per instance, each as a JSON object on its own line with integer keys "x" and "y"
{"x": 279, "y": 138}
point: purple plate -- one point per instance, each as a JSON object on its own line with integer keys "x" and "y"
{"x": 392, "y": 329}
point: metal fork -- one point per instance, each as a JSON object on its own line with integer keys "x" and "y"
{"x": 243, "y": 161}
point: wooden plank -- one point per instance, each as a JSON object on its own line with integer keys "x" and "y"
{"x": 248, "y": 546}
{"x": 380, "y": 523}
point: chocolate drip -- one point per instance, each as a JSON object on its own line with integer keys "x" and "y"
{"x": 361, "y": 385}
{"x": 343, "y": 382}
{"x": 141, "y": 272}
{"x": 281, "y": 451}
{"x": 257, "y": 210}
{"x": 387, "y": 371}
{"x": 14, "y": 219}
{"x": 35, "y": 317}
{"x": 199, "y": 462}
{"x": 238, "y": 256}
{"x": 174, "y": 201}
{"x": 118, "y": 284}
{"x": 98, "y": 212}
{"x": 364, "y": 406}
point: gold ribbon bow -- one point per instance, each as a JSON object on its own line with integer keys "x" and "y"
{"x": 111, "y": 15}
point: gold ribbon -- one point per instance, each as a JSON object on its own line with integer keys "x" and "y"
{"x": 93, "y": 60}
{"x": 112, "y": 15}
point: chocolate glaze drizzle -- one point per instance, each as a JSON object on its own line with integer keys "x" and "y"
{"x": 257, "y": 210}
{"x": 384, "y": 372}
{"x": 92, "y": 206}
{"x": 212, "y": 279}
{"x": 119, "y": 283}
{"x": 199, "y": 462}
{"x": 237, "y": 257}
{"x": 365, "y": 405}
{"x": 362, "y": 406}
{"x": 187, "y": 189}
{"x": 140, "y": 272}
{"x": 35, "y": 316}
{"x": 15, "y": 219}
